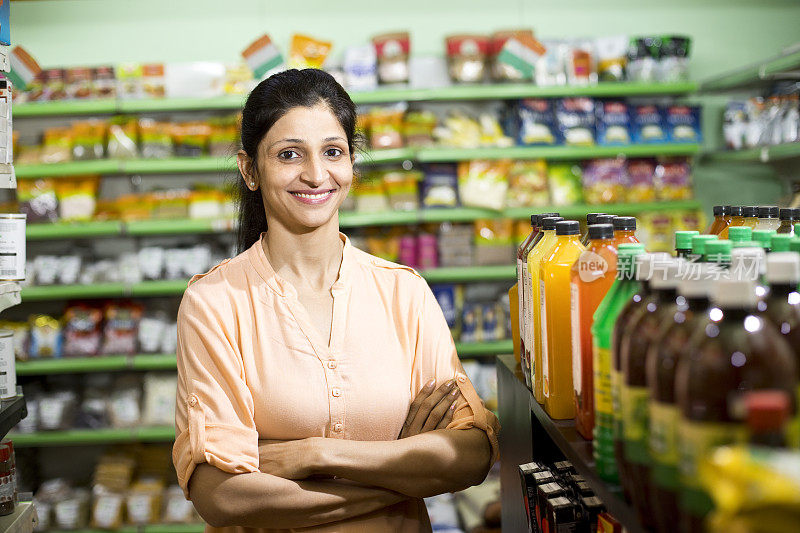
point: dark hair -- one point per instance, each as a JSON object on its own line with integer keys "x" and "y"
{"x": 266, "y": 104}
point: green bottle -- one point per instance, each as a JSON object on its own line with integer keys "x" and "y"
{"x": 794, "y": 246}
{"x": 781, "y": 242}
{"x": 746, "y": 244}
{"x": 699, "y": 246}
{"x": 719, "y": 252}
{"x": 764, "y": 237}
{"x": 740, "y": 233}
{"x": 623, "y": 288}
{"x": 683, "y": 243}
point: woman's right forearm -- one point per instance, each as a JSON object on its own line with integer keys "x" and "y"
{"x": 261, "y": 500}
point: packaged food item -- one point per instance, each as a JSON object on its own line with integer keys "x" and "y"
{"x": 440, "y": 186}
{"x": 107, "y": 511}
{"x": 25, "y": 73}
{"x": 466, "y": 57}
{"x": 37, "y": 199}
{"x": 123, "y": 136}
{"x": 153, "y": 80}
{"x": 514, "y": 55}
{"x": 491, "y": 131}
{"x": 370, "y": 194}
{"x": 576, "y": 121}
{"x": 386, "y": 126}
{"x": 682, "y": 124}
{"x": 57, "y": 145}
{"x": 202, "y": 202}
{"x": 551, "y": 68}
{"x": 673, "y": 179}
{"x": 308, "y": 52}
{"x": 648, "y": 124}
{"x": 564, "y": 180}
{"x": 401, "y": 188}
{"x": 19, "y": 331}
{"x": 459, "y": 129}
{"x": 224, "y": 136}
{"x": 143, "y": 502}
{"x": 643, "y": 56}
{"x": 611, "y": 57}
{"x": 483, "y": 183}
{"x": 159, "y": 399}
{"x": 190, "y": 138}
{"x": 54, "y": 86}
{"x": 527, "y": 185}
{"x": 124, "y": 410}
{"x": 361, "y": 68}
{"x": 120, "y": 329}
{"x": 79, "y": 83}
{"x": 177, "y": 509}
{"x": 673, "y": 64}
{"x": 604, "y": 181}
{"x": 494, "y": 242}
{"x": 77, "y": 198}
{"x": 82, "y": 333}
{"x": 640, "y": 185}
{"x": 104, "y": 81}
{"x": 129, "y": 80}
{"x": 448, "y": 299}
{"x": 581, "y": 69}
{"x": 613, "y": 122}
{"x": 262, "y": 56}
{"x": 455, "y": 245}
{"x": 155, "y": 138}
{"x": 734, "y": 125}
{"x": 537, "y": 122}
{"x": 418, "y": 128}
{"x": 72, "y": 512}
{"x": 88, "y": 139}
{"x": 392, "y": 51}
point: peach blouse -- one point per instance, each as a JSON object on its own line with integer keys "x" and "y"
{"x": 252, "y": 366}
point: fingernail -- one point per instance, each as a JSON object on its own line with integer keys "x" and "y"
{"x": 454, "y": 393}
{"x": 453, "y": 406}
{"x": 430, "y": 384}
{"x": 450, "y": 383}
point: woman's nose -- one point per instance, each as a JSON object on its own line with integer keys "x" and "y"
{"x": 314, "y": 172}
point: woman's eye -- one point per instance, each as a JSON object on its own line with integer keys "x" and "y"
{"x": 333, "y": 152}
{"x": 288, "y": 154}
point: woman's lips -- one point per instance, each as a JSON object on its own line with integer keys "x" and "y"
{"x": 313, "y": 198}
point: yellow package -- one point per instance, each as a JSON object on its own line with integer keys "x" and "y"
{"x": 370, "y": 194}
{"x": 308, "y": 52}
{"x": 386, "y": 126}
{"x": 57, "y": 146}
{"x": 402, "y": 189}
{"x": 657, "y": 230}
{"x": 483, "y": 183}
{"x": 527, "y": 184}
{"x": 77, "y": 198}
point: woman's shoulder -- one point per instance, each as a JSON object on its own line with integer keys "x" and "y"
{"x": 383, "y": 270}
{"x": 228, "y": 272}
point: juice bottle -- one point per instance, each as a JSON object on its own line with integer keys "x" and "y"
{"x": 591, "y": 219}
{"x": 740, "y": 233}
{"x": 540, "y": 250}
{"x": 721, "y": 220}
{"x": 788, "y": 217}
{"x": 768, "y": 217}
{"x": 638, "y": 335}
{"x": 719, "y": 252}
{"x": 764, "y": 237}
{"x": 662, "y": 358}
{"x": 513, "y": 308}
{"x": 750, "y": 214}
{"x": 525, "y": 363}
{"x": 624, "y": 230}
{"x": 592, "y": 276}
{"x": 738, "y": 351}
{"x": 643, "y": 270}
{"x": 699, "y": 246}
{"x": 605, "y": 219}
{"x": 780, "y": 242}
{"x": 767, "y": 418}
{"x": 554, "y": 287}
{"x": 794, "y": 246}
{"x": 621, "y": 291}
{"x": 683, "y": 243}
{"x": 737, "y": 219}
{"x": 526, "y": 331}
{"x": 783, "y": 309}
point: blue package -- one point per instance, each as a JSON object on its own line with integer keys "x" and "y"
{"x": 576, "y": 121}
{"x": 536, "y": 125}
{"x": 648, "y": 125}
{"x": 440, "y": 186}
{"x": 5, "y": 24}
{"x": 446, "y": 297}
{"x": 613, "y": 123}
{"x": 471, "y": 319}
{"x": 683, "y": 124}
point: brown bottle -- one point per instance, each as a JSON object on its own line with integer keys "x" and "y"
{"x": 722, "y": 219}
{"x": 767, "y": 416}
{"x": 738, "y": 351}
{"x": 737, "y": 219}
{"x": 789, "y": 217}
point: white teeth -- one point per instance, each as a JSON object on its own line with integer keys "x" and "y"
{"x": 312, "y": 196}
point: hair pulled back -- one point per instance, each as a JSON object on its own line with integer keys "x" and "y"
{"x": 266, "y": 104}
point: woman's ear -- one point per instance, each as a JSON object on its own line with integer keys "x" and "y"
{"x": 247, "y": 170}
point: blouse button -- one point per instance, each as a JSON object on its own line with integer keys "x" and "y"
{"x": 192, "y": 400}
{"x": 331, "y": 364}
{"x": 336, "y": 392}
{"x": 337, "y": 427}
{"x": 461, "y": 378}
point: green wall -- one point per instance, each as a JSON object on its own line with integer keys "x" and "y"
{"x": 726, "y": 34}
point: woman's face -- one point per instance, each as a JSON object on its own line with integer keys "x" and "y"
{"x": 305, "y": 168}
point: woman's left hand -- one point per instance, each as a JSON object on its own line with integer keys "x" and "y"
{"x": 289, "y": 459}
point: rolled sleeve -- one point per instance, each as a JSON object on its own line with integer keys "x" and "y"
{"x": 214, "y": 407}
{"x": 436, "y": 357}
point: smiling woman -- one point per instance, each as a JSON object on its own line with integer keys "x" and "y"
{"x": 318, "y": 386}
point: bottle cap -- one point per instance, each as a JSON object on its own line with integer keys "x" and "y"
{"x": 767, "y": 410}
{"x": 747, "y": 263}
{"x": 735, "y": 293}
{"x": 540, "y": 216}
{"x": 780, "y": 242}
{"x": 667, "y": 275}
{"x": 783, "y": 268}
{"x": 720, "y": 210}
{"x": 763, "y": 237}
{"x": 601, "y": 231}
{"x": 750, "y": 211}
{"x": 787, "y": 213}
{"x": 740, "y": 233}
{"x": 736, "y": 211}
{"x": 549, "y": 223}
{"x": 568, "y": 227}
{"x": 625, "y": 224}
{"x": 794, "y": 246}
{"x": 768, "y": 211}
{"x": 745, "y": 244}
{"x": 696, "y": 281}
{"x": 648, "y": 264}
{"x": 699, "y": 243}
{"x": 683, "y": 239}
{"x": 533, "y": 220}
{"x": 718, "y": 251}
{"x": 606, "y": 219}
{"x": 591, "y": 218}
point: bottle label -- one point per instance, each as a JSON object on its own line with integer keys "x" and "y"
{"x": 575, "y": 323}
{"x": 697, "y": 441}
{"x": 520, "y": 294}
{"x": 602, "y": 381}
{"x": 663, "y": 443}
{"x": 543, "y": 340}
{"x": 616, "y": 400}
{"x": 528, "y": 314}
{"x": 634, "y": 422}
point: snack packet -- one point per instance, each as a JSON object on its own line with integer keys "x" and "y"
{"x": 155, "y": 138}
{"x": 262, "y": 56}
{"x": 123, "y": 137}
{"x": 440, "y": 186}
{"x": 77, "y": 198}
{"x": 527, "y": 185}
{"x": 613, "y": 123}
{"x": 683, "y": 124}
{"x": 392, "y": 51}
{"x": 308, "y": 52}
{"x": 673, "y": 179}
{"x": 564, "y": 180}
{"x": 88, "y": 139}
{"x": 38, "y": 200}
{"x": 604, "y": 181}
{"x": 418, "y": 128}
{"x": 401, "y": 188}
{"x": 551, "y": 68}
{"x": 466, "y": 57}
{"x": 648, "y": 124}
{"x": 57, "y": 146}
{"x": 673, "y": 64}
{"x": 483, "y": 183}
{"x": 641, "y": 180}
{"x": 386, "y": 126}
{"x": 581, "y": 68}
{"x": 514, "y": 55}
{"x": 611, "y": 57}
{"x": 576, "y": 121}
{"x": 360, "y": 68}
{"x": 82, "y": 333}
{"x": 536, "y": 122}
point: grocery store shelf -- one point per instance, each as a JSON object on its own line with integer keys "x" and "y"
{"x": 165, "y": 287}
{"x": 387, "y": 155}
{"x": 477, "y": 349}
{"x": 11, "y": 412}
{"x": 67, "y": 292}
{"x": 69, "y": 168}
{"x": 73, "y": 230}
{"x": 762, "y": 154}
{"x": 383, "y": 218}
{"x": 456, "y": 92}
{"x": 756, "y": 74}
{"x": 580, "y": 210}
{"x": 470, "y": 274}
{"x": 93, "y": 436}
{"x": 9, "y": 294}
{"x": 22, "y": 520}
{"x": 429, "y": 155}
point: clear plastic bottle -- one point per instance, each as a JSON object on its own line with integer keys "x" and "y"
{"x": 750, "y": 214}
{"x": 789, "y": 216}
{"x": 768, "y": 217}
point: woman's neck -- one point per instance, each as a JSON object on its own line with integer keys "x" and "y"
{"x": 309, "y": 261}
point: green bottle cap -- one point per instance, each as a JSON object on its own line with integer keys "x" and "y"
{"x": 746, "y": 244}
{"x": 797, "y": 229}
{"x": 683, "y": 239}
{"x": 718, "y": 251}
{"x": 699, "y": 241}
{"x": 794, "y": 245}
{"x": 763, "y": 237}
{"x": 780, "y": 242}
{"x": 740, "y": 233}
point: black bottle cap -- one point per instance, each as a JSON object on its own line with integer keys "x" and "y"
{"x": 549, "y": 223}
{"x": 768, "y": 211}
{"x": 750, "y": 211}
{"x": 736, "y": 211}
{"x": 591, "y": 218}
{"x": 541, "y": 216}
{"x": 720, "y": 210}
{"x": 601, "y": 231}
{"x": 533, "y": 220}
{"x": 788, "y": 213}
{"x": 568, "y": 227}
{"x": 605, "y": 219}
{"x": 625, "y": 224}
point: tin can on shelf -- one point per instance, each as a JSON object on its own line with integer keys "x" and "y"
{"x": 12, "y": 246}
{"x": 8, "y": 370}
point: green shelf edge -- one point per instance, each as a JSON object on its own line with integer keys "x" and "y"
{"x": 753, "y": 74}
{"x": 468, "y": 274}
{"x": 386, "y": 155}
{"x": 108, "y": 363}
{"x": 68, "y": 292}
{"x": 65, "y": 230}
{"x": 384, "y": 95}
{"x": 93, "y": 436}
{"x": 179, "y": 226}
{"x": 476, "y": 349}
{"x": 441, "y": 155}
{"x": 69, "y": 168}
{"x": 167, "y": 287}
{"x": 178, "y": 165}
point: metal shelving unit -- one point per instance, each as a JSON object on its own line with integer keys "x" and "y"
{"x": 763, "y": 154}
{"x": 756, "y": 74}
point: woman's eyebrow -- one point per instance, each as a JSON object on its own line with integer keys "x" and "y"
{"x": 292, "y": 141}
{"x": 329, "y": 139}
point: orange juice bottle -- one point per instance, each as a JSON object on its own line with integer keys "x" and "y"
{"x": 722, "y": 217}
{"x": 542, "y": 249}
{"x": 624, "y": 230}
{"x": 555, "y": 276}
{"x": 737, "y": 219}
{"x": 591, "y": 277}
